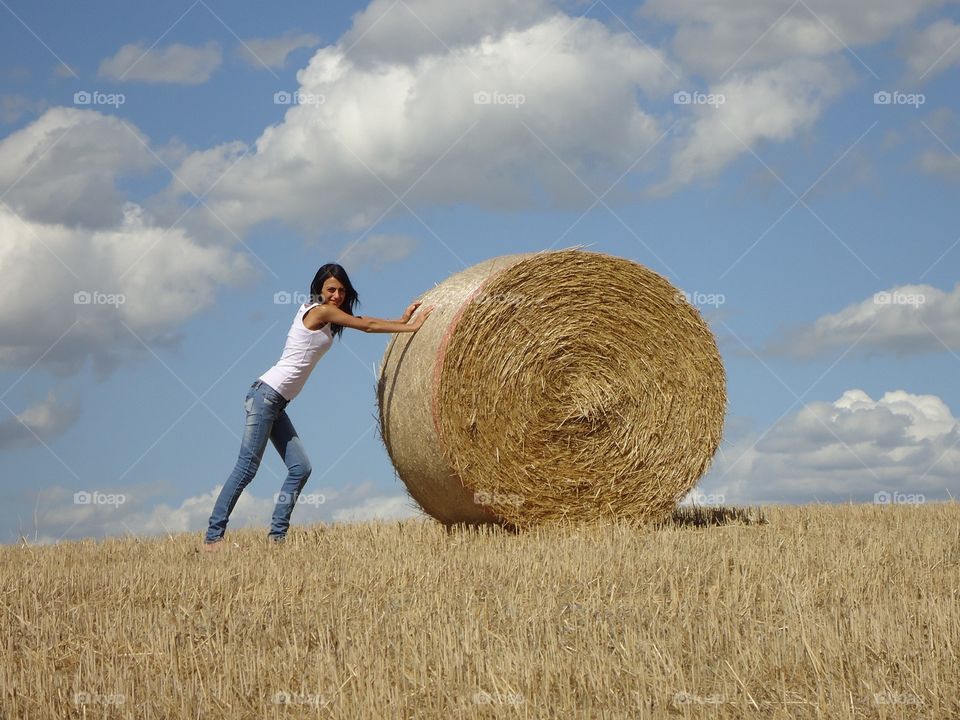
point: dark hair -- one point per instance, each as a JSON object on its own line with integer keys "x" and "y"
{"x": 332, "y": 270}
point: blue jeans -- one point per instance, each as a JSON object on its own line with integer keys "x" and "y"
{"x": 266, "y": 418}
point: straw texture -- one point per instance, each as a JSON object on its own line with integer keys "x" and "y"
{"x": 566, "y": 385}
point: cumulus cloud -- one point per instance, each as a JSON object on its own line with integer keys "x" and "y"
{"x": 381, "y": 507}
{"x": 493, "y": 121}
{"x": 714, "y": 36}
{"x": 905, "y": 320}
{"x": 63, "y": 167}
{"x": 510, "y": 105}
{"x": 81, "y": 264}
{"x": 38, "y": 423}
{"x": 61, "y": 514}
{"x": 273, "y": 52}
{"x": 14, "y": 107}
{"x": 506, "y": 105}
{"x": 378, "y": 251}
{"x": 97, "y": 284}
{"x": 768, "y": 105}
{"x": 387, "y": 32}
{"x": 175, "y": 64}
{"x": 854, "y": 448}
{"x": 932, "y": 50}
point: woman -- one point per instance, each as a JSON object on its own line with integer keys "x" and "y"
{"x": 311, "y": 334}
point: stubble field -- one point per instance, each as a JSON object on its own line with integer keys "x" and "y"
{"x": 795, "y": 612}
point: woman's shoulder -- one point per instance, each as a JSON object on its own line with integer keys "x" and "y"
{"x": 315, "y": 317}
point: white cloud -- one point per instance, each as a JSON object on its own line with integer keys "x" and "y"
{"x": 932, "y": 50}
{"x": 378, "y": 250}
{"x": 385, "y": 125}
{"x": 68, "y": 230}
{"x": 396, "y": 93}
{"x": 14, "y": 107}
{"x": 175, "y": 64}
{"x": 772, "y": 104}
{"x": 148, "y": 277}
{"x": 387, "y": 32}
{"x": 57, "y": 515}
{"x": 398, "y": 111}
{"x": 193, "y": 513}
{"x": 714, "y": 35}
{"x": 907, "y": 319}
{"x": 850, "y": 449}
{"x": 273, "y": 52}
{"x": 44, "y": 420}
{"x": 392, "y": 507}
{"x": 63, "y": 167}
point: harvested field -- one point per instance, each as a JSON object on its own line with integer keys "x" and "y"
{"x": 815, "y": 611}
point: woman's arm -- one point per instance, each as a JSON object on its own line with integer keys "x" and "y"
{"x": 333, "y": 314}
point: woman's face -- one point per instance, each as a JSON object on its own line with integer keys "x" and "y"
{"x": 333, "y": 292}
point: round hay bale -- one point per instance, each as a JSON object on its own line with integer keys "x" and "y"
{"x": 549, "y": 386}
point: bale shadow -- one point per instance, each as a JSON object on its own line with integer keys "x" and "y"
{"x": 699, "y": 516}
{"x": 695, "y": 516}
{"x": 480, "y": 527}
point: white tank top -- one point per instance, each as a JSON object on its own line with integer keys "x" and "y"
{"x": 300, "y": 354}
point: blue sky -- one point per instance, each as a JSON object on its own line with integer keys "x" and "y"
{"x": 821, "y": 220}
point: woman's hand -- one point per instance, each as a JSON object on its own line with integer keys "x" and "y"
{"x": 408, "y": 313}
{"x": 421, "y": 318}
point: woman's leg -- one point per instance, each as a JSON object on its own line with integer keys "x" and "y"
{"x": 261, "y": 413}
{"x": 285, "y": 439}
